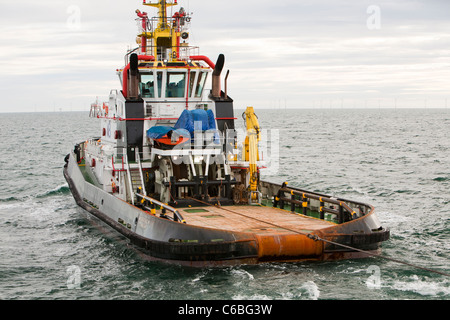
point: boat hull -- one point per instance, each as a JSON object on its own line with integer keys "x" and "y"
{"x": 199, "y": 246}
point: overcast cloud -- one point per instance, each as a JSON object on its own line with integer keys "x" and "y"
{"x": 315, "y": 53}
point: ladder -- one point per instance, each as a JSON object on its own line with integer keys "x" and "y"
{"x": 135, "y": 177}
{"x": 136, "y": 182}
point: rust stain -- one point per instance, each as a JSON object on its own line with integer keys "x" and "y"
{"x": 291, "y": 245}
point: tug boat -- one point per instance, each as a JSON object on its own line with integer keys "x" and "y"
{"x": 171, "y": 172}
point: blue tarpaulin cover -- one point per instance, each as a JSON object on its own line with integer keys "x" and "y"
{"x": 203, "y": 119}
{"x": 158, "y": 132}
{"x": 187, "y": 123}
{"x": 200, "y": 118}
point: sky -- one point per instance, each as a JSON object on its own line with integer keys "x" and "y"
{"x": 62, "y": 55}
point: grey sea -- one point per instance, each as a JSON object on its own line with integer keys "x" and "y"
{"x": 398, "y": 160}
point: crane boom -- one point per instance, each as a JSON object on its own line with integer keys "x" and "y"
{"x": 252, "y": 153}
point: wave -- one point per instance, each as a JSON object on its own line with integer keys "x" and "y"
{"x": 60, "y": 190}
{"x": 10, "y": 199}
{"x": 63, "y": 189}
{"x": 441, "y": 179}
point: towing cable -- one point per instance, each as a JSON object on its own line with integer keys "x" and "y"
{"x": 317, "y": 238}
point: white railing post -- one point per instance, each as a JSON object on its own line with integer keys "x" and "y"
{"x": 130, "y": 185}
{"x": 141, "y": 174}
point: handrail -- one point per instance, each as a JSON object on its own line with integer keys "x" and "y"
{"x": 304, "y": 203}
{"x": 130, "y": 185}
{"x": 141, "y": 174}
{"x": 177, "y": 217}
{"x": 185, "y": 53}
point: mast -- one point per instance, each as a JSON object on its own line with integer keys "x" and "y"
{"x": 162, "y": 11}
{"x": 165, "y": 38}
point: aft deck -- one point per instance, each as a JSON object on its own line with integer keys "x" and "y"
{"x": 252, "y": 219}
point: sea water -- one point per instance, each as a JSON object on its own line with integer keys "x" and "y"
{"x": 398, "y": 160}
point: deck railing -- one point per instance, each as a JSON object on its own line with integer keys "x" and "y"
{"x": 183, "y": 52}
{"x": 149, "y": 204}
{"x": 301, "y": 199}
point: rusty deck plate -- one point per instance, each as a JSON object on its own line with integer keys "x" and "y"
{"x": 252, "y": 219}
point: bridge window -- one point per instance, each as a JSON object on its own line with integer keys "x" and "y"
{"x": 159, "y": 76}
{"x": 191, "y": 82}
{"x": 147, "y": 85}
{"x": 176, "y": 85}
{"x": 200, "y": 84}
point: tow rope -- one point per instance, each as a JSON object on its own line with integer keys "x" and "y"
{"x": 317, "y": 238}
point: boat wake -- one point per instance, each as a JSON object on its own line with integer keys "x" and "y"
{"x": 422, "y": 286}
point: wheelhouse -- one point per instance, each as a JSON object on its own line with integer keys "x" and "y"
{"x": 163, "y": 81}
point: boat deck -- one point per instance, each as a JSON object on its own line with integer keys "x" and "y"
{"x": 252, "y": 219}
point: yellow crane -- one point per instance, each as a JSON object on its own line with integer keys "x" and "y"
{"x": 251, "y": 153}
